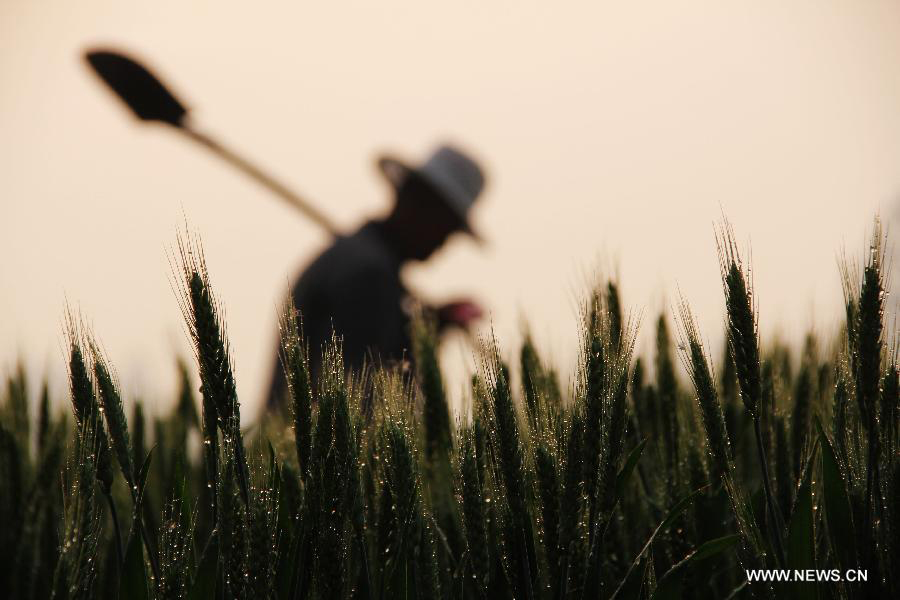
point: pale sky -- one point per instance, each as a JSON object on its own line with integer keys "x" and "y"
{"x": 614, "y": 134}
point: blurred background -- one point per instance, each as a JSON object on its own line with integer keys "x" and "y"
{"x": 614, "y": 137}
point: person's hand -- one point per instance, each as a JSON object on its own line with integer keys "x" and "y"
{"x": 460, "y": 313}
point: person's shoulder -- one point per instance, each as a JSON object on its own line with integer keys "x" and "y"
{"x": 358, "y": 251}
{"x": 357, "y": 255}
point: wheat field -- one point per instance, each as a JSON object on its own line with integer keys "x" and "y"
{"x": 635, "y": 482}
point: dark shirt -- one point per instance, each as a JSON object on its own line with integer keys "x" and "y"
{"x": 354, "y": 289}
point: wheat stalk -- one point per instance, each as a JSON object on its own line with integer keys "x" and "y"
{"x": 116, "y": 423}
{"x": 206, "y": 329}
{"x": 744, "y": 343}
{"x": 294, "y": 354}
{"x": 697, "y": 365}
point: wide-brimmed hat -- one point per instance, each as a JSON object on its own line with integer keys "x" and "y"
{"x": 455, "y": 176}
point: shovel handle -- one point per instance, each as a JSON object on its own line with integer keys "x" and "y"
{"x": 252, "y": 171}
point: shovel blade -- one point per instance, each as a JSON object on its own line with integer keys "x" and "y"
{"x": 140, "y": 89}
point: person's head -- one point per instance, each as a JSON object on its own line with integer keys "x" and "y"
{"x": 431, "y": 201}
{"x": 421, "y": 219}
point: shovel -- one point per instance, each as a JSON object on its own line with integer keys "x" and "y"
{"x": 151, "y": 101}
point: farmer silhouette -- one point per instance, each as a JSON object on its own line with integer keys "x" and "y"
{"x": 355, "y": 286}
